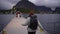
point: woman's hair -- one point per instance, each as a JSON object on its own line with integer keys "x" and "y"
{"x": 31, "y": 13}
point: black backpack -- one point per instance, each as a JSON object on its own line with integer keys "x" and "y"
{"x": 33, "y": 22}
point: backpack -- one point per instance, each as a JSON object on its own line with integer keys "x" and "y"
{"x": 33, "y": 22}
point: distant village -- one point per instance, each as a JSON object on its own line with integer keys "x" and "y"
{"x": 25, "y": 6}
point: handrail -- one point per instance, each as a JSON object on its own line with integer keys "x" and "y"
{"x": 43, "y": 28}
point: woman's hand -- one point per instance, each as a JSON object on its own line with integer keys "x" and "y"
{"x": 41, "y": 30}
{"x": 23, "y": 24}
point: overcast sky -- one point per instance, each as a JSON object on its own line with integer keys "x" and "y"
{"x": 8, "y": 4}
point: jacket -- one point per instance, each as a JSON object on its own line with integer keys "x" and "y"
{"x": 28, "y": 22}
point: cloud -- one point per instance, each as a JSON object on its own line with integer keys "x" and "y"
{"x": 48, "y": 3}
{"x": 5, "y": 5}
{"x": 8, "y": 4}
{"x": 13, "y": 1}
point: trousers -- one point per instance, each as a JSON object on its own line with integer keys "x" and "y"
{"x": 31, "y": 32}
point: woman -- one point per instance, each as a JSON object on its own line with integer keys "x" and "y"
{"x": 31, "y": 31}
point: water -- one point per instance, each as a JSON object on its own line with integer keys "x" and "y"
{"x": 4, "y": 20}
{"x": 50, "y": 22}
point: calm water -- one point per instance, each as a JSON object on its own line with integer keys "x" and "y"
{"x": 50, "y": 22}
{"x": 4, "y": 20}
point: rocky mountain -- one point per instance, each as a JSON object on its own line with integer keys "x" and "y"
{"x": 57, "y": 10}
{"x": 43, "y": 8}
{"x": 25, "y": 4}
{"x": 29, "y": 5}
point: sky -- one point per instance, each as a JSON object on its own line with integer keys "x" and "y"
{"x": 8, "y": 4}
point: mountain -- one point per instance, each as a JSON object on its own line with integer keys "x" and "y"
{"x": 57, "y": 10}
{"x": 29, "y": 5}
{"x": 43, "y": 8}
{"x": 25, "y": 4}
